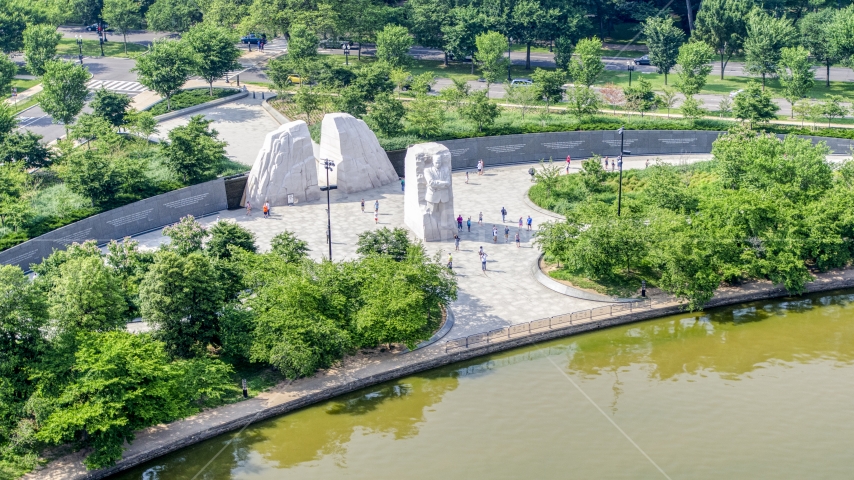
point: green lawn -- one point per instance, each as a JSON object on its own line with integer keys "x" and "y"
{"x": 190, "y": 98}
{"x": 91, "y": 48}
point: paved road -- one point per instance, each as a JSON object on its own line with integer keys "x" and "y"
{"x": 141, "y": 37}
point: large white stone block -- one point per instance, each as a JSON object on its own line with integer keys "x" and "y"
{"x": 428, "y": 202}
{"x": 360, "y": 162}
{"x": 285, "y": 165}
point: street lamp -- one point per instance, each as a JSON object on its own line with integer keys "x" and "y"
{"x": 620, "y": 166}
{"x": 80, "y": 48}
{"x": 346, "y": 47}
{"x": 631, "y": 68}
{"x": 328, "y": 165}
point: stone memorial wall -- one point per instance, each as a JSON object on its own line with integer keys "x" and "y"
{"x": 133, "y": 219}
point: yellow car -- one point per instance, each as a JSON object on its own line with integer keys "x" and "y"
{"x": 294, "y": 78}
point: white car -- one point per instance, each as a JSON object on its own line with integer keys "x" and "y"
{"x": 733, "y": 94}
{"x": 521, "y": 82}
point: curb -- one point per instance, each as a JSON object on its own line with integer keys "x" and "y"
{"x": 449, "y": 324}
{"x": 563, "y": 289}
{"x": 26, "y": 109}
{"x": 539, "y": 209}
{"x": 273, "y": 112}
{"x": 196, "y": 108}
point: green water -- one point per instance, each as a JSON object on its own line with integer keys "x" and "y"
{"x": 760, "y": 390}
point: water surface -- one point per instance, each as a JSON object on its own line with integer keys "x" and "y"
{"x": 761, "y": 390}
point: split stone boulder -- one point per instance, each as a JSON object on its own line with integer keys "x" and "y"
{"x": 360, "y": 162}
{"x": 428, "y": 202}
{"x": 285, "y": 165}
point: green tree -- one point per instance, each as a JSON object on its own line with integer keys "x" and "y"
{"x": 521, "y": 95}
{"x": 180, "y": 296}
{"x": 422, "y": 83}
{"x": 172, "y": 15}
{"x": 372, "y": 80}
{"x": 479, "y": 110}
{"x": 8, "y": 120}
{"x": 123, "y": 15}
{"x": 186, "y": 236}
{"x": 386, "y": 115}
{"x": 86, "y": 296}
{"x": 425, "y": 115}
{"x": 8, "y": 70}
{"x": 831, "y": 107}
{"x": 581, "y": 100}
{"x": 526, "y": 17}
{"x": 723, "y": 25}
{"x": 228, "y": 235}
{"x": 122, "y": 383}
{"x": 754, "y": 105}
{"x": 466, "y": 23}
{"x": 302, "y": 49}
{"x": 307, "y": 102}
{"x": 165, "y": 68}
{"x": 490, "y": 54}
{"x": 129, "y": 265}
{"x": 392, "y": 243}
{"x": 548, "y": 176}
{"x": 393, "y": 44}
{"x": 563, "y": 48}
{"x": 40, "y": 43}
{"x": 663, "y": 39}
{"x": 64, "y": 91}
{"x": 142, "y": 124}
{"x": 694, "y": 68}
{"x": 458, "y": 92}
{"x": 350, "y": 100}
{"x": 692, "y": 108}
{"x": 766, "y": 37}
{"x": 90, "y": 127}
{"x": 112, "y": 106}
{"x": 587, "y": 66}
{"x": 796, "y": 74}
{"x": 427, "y": 19}
{"x": 640, "y": 97}
{"x": 667, "y": 98}
{"x": 289, "y": 247}
{"x": 815, "y": 29}
{"x": 213, "y": 51}
{"x": 549, "y": 85}
{"x": 12, "y": 24}
{"x": 27, "y": 148}
{"x": 194, "y": 153}
{"x": 92, "y": 174}
{"x": 841, "y": 36}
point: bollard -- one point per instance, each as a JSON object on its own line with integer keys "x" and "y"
{"x": 245, "y": 391}
{"x": 262, "y": 95}
{"x": 253, "y": 95}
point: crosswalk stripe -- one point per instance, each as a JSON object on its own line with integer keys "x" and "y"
{"x": 116, "y": 85}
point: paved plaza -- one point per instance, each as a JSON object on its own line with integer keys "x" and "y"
{"x": 507, "y": 294}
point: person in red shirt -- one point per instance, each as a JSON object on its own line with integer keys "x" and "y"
{"x": 568, "y": 160}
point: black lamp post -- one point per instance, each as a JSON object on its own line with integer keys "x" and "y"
{"x": 346, "y": 53}
{"x": 80, "y": 49}
{"x": 509, "y": 61}
{"x": 620, "y": 166}
{"x": 328, "y": 165}
{"x": 631, "y": 68}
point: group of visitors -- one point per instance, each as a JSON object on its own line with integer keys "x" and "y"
{"x": 495, "y": 233}
{"x": 265, "y": 209}
{"x": 376, "y": 210}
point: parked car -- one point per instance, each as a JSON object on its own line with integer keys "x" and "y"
{"x": 94, "y": 28}
{"x": 644, "y": 60}
{"x": 407, "y": 85}
{"x": 453, "y": 57}
{"x": 521, "y": 82}
{"x": 253, "y": 38}
{"x": 294, "y": 78}
{"x": 735, "y": 92}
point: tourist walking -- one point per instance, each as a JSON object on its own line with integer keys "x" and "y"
{"x": 468, "y": 224}
{"x": 450, "y": 262}
{"x": 376, "y": 206}
{"x": 506, "y": 234}
{"x": 647, "y": 163}
{"x": 480, "y": 252}
{"x": 363, "y": 205}
{"x": 402, "y": 184}
{"x": 520, "y": 223}
{"x": 568, "y": 161}
{"x": 517, "y": 240}
{"x": 530, "y": 222}
{"x": 480, "y": 218}
{"x": 503, "y": 214}
{"x": 606, "y": 164}
{"x": 494, "y": 234}
{"x": 467, "y": 176}
{"x": 480, "y": 167}
{"x": 248, "y": 209}
{"x": 376, "y": 218}
{"x": 456, "y": 242}
{"x": 266, "y": 210}
{"x": 483, "y": 261}
{"x": 460, "y": 223}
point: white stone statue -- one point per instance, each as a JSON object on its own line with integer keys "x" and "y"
{"x": 360, "y": 161}
{"x": 285, "y": 165}
{"x": 429, "y": 196}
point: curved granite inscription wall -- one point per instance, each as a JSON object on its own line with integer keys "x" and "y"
{"x": 132, "y": 219}
{"x": 508, "y": 149}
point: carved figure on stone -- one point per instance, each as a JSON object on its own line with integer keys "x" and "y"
{"x": 360, "y": 162}
{"x": 429, "y": 199}
{"x": 285, "y": 165}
